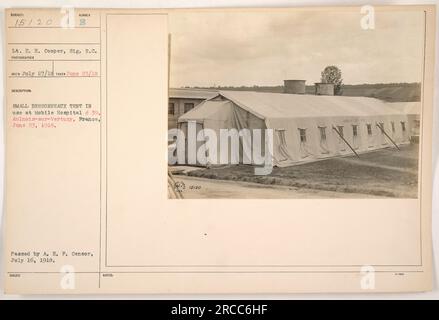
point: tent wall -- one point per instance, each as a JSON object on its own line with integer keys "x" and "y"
{"x": 313, "y": 145}
{"x": 237, "y": 119}
{"x": 184, "y": 127}
{"x": 414, "y": 126}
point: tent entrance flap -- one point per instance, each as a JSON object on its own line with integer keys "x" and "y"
{"x": 191, "y": 130}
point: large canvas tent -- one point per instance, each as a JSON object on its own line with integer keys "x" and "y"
{"x": 305, "y": 127}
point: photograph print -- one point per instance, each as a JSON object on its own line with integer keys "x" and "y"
{"x": 282, "y": 104}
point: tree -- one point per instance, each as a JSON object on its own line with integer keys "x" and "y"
{"x": 332, "y": 74}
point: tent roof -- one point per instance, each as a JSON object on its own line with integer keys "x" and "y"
{"x": 207, "y": 110}
{"x": 407, "y": 107}
{"x": 283, "y": 105}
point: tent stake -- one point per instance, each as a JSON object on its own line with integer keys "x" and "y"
{"x": 383, "y": 131}
{"x": 345, "y": 141}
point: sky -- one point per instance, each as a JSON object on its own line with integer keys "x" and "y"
{"x": 263, "y": 48}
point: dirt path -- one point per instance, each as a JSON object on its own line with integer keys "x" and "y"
{"x": 201, "y": 188}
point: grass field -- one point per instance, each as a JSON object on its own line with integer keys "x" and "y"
{"x": 387, "y": 172}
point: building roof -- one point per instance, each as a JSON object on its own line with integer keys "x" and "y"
{"x": 191, "y": 93}
{"x": 284, "y": 105}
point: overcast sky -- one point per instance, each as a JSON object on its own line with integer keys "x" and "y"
{"x": 263, "y": 48}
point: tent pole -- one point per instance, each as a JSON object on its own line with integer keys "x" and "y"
{"x": 383, "y": 131}
{"x": 345, "y": 141}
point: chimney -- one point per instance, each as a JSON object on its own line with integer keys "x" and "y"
{"x": 324, "y": 89}
{"x": 294, "y": 86}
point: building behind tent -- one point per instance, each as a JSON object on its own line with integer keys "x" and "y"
{"x": 182, "y": 100}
